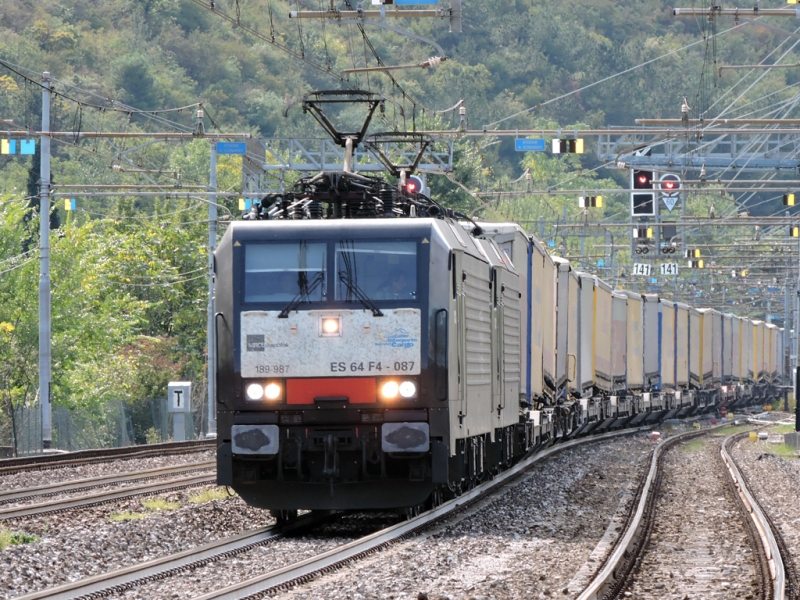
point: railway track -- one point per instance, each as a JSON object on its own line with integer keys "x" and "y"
{"x": 90, "y": 483}
{"x": 614, "y": 577}
{"x": 783, "y": 570}
{"x": 153, "y": 487}
{"x": 82, "y": 457}
{"x": 114, "y": 582}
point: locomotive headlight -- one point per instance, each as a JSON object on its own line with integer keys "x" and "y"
{"x": 273, "y": 391}
{"x": 408, "y": 389}
{"x": 255, "y": 391}
{"x": 390, "y": 390}
{"x": 330, "y": 326}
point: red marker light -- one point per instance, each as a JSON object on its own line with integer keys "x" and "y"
{"x": 669, "y": 185}
{"x": 411, "y": 187}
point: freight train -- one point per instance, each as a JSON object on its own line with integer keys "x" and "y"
{"x": 379, "y": 351}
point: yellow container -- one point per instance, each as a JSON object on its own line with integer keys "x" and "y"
{"x": 753, "y": 436}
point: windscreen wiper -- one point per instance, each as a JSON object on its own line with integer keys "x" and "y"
{"x": 305, "y": 292}
{"x": 353, "y": 288}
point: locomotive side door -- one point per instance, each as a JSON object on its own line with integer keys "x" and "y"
{"x": 475, "y": 356}
{"x": 508, "y": 323}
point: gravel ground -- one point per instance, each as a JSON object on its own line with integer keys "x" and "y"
{"x": 56, "y": 474}
{"x": 81, "y": 543}
{"x": 774, "y": 481}
{"x": 264, "y": 558}
{"x": 528, "y": 542}
{"x": 538, "y": 539}
{"x": 699, "y": 548}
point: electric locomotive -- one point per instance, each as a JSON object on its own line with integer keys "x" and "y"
{"x": 369, "y": 350}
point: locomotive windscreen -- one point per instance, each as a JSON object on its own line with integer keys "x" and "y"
{"x": 383, "y": 270}
{"x": 278, "y": 272}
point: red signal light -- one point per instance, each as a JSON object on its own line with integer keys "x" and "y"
{"x": 414, "y": 185}
{"x": 642, "y": 179}
{"x": 669, "y": 185}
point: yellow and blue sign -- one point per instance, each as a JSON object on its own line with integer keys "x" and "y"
{"x": 11, "y": 146}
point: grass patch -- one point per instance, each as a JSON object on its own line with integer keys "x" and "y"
{"x": 151, "y": 505}
{"x": 16, "y": 538}
{"x": 157, "y": 504}
{"x": 731, "y": 429}
{"x": 782, "y": 429}
{"x": 218, "y": 493}
{"x": 127, "y": 515}
{"x": 783, "y": 450}
{"x": 694, "y": 445}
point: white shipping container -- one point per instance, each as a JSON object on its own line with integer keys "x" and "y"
{"x": 727, "y": 348}
{"x": 573, "y": 334}
{"x": 619, "y": 339}
{"x": 635, "y": 346}
{"x": 602, "y": 334}
{"x": 759, "y": 364}
{"x": 651, "y": 341}
{"x": 548, "y": 316}
{"x": 695, "y": 368}
{"x": 706, "y": 351}
{"x": 748, "y": 342}
{"x": 562, "y": 319}
{"x": 667, "y": 370}
{"x": 681, "y": 345}
{"x": 586, "y": 316}
{"x": 716, "y": 346}
{"x": 736, "y": 350}
{"x": 770, "y": 335}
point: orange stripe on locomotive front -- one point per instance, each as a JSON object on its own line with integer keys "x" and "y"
{"x": 358, "y": 390}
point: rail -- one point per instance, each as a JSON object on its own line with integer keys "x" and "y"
{"x": 41, "y": 461}
{"x": 75, "y": 485}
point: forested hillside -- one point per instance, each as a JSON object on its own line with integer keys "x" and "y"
{"x": 128, "y": 273}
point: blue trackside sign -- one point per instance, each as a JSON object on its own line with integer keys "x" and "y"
{"x": 529, "y": 145}
{"x": 231, "y": 147}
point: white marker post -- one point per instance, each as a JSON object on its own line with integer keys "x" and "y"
{"x": 179, "y": 403}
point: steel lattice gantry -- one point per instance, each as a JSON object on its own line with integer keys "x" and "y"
{"x": 718, "y": 152}
{"x": 268, "y": 159}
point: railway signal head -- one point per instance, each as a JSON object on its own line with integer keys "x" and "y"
{"x": 642, "y": 180}
{"x": 413, "y": 186}
{"x": 670, "y": 185}
{"x": 643, "y": 196}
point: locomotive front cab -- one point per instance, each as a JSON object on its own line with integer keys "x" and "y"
{"x": 326, "y": 379}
